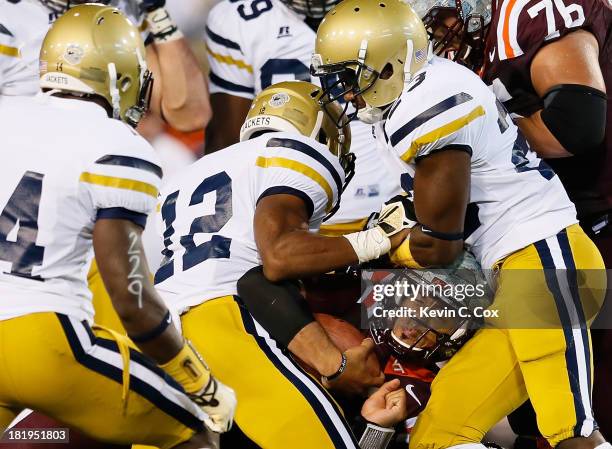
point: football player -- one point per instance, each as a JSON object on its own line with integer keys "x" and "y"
{"x": 180, "y": 93}
{"x": 255, "y": 203}
{"x": 475, "y": 182}
{"x": 255, "y": 43}
{"x": 80, "y": 177}
{"x": 551, "y": 65}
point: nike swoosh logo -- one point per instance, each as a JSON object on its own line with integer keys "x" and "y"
{"x": 169, "y": 320}
{"x": 492, "y": 55}
{"x": 409, "y": 388}
{"x": 424, "y": 230}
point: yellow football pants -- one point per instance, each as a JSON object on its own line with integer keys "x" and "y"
{"x": 279, "y": 406}
{"x": 62, "y": 368}
{"x": 552, "y": 289}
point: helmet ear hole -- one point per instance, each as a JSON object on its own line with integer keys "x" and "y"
{"x": 124, "y": 83}
{"x": 387, "y": 71}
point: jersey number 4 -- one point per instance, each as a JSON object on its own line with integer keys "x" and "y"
{"x": 218, "y": 247}
{"x": 19, "y": 227}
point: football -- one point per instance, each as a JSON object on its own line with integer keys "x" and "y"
{"x": 344, "y": 335}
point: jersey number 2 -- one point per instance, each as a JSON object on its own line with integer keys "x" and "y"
{"x": 218, "y": 247}
{"x": 21, "y": 210}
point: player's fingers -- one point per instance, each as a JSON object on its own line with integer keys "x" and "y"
{"x": 368, "y": 343}
{"x": 389, "y": 387}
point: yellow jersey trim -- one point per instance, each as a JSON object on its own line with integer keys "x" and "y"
{"x": 441, "y": 132}
{"x": 10, "y": 51}
{"x": 339, "y": 229}
{"x": 119, "y": 183}
{"x": 225, "y": 59}
{"x": 265, "y": 162}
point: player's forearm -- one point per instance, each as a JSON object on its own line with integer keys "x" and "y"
{"x": 313, "y": 346}
{"x": 183, "y": 101}
{"x": 541, "y": 140}
{"x": 121, "y": 260}
{"x": 299, "y": 253}
{"x": 432, "y": 252}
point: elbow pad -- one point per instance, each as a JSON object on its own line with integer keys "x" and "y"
{"x": 576, "y": 116}
{"x": 279, "y": 307}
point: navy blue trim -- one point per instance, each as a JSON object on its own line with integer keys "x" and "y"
{"x": 120, "y": 213}
{"x": 572, "y": 277}
{"x": 116, "y": 374}
{"x": 286, "y": 190}
{"x": 310, "y": 152}
{"x": 318, "y": 408}
{"x": 132, "y": 162}
{"x": 427, "y": 115}
{"x": 153, "y": 333}
{"x": 229, "y": 85}
{"x": 452, "y": 146}
{"x": 221, "y": 40}
{"x": 550, "y": 273}
{"x": 4, "y": 30}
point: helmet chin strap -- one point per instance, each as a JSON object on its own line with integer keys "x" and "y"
{"x": 370, "y": 114}
{"x": 408, "y": 62}
{"x": 114, "y": 92}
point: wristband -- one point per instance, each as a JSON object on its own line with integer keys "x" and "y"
{"x": 338, "y": 372}
{"x": 370, "y": 244}
{"x": 189, "y": 370}
{"x": 375, "y": 437}
{"x": 403, "y": 257}
{"x": 155, "y": 332}
{"x": 448, "y": 236}
{"x": 161, "y": 26}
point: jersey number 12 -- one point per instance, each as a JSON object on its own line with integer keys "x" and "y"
{"x": 218, "y": 247}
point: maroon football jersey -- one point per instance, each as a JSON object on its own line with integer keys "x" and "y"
{"x": 519, "y": 28}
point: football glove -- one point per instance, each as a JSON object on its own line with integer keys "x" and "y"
{"x": 159, "y": 22}
{"x": 374, "y": 242}
{"x": 213, "y": 397}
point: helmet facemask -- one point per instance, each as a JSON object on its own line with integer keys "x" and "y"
{"x": 457, "y": 30}
{"x": 339, "y": 80}
{"x": 423, "y": 338}
{"x": 401, "y": 323}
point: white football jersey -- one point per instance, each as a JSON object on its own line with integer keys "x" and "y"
{"x": 67, "y": 164}
{"x": 207, "y": 212}
{"x": 515, "y": 198}
{"x": 23, "y": 26}
{"x": 255, "y": 43}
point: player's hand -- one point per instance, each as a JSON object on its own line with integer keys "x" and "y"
{"x": 360, "y": 373}
{"x": 392, "y": 219}
{"x": 213, "y": 397}
{"x": 387, "y": 406}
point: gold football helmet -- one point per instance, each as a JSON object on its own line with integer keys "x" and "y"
{"x": 94, "y": 50}
{"x": 371, "y": 48}
{"x": 296, "y": 107}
